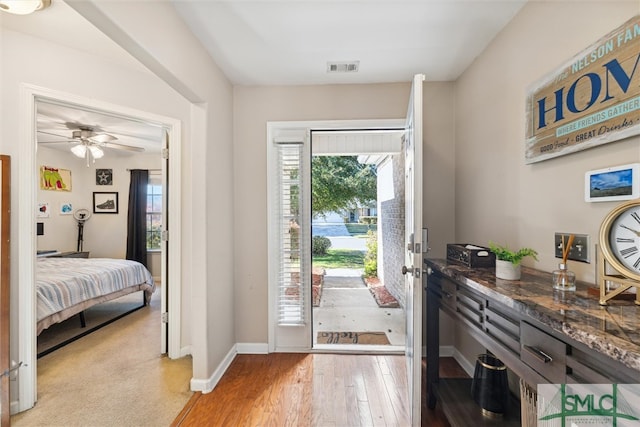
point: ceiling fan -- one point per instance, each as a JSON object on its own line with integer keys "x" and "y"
{"x": 89, "y": 143}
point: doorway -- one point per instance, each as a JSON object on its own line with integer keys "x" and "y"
{"x": 25, "y": 395}
{"x": 357, "y": 229}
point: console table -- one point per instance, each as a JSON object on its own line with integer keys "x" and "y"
{"x": 542, "y": 335}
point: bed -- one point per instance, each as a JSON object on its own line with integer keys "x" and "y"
{"x": 68, "y": 286}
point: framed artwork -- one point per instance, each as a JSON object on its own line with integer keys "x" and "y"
{"x": 104, "y": 176}
{"x": 43, "y": 210}
{"x": 66, "y": 208}
{"x": 611, "y": 184}
{"x": 105, "y": 202}
{"x": 55, "y": 179}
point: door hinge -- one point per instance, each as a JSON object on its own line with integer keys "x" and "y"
{"x": 165, "y": 153}
{"x": 165, "y": 317}
{"x": 165, "y": 235}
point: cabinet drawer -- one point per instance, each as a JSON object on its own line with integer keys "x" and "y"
{"x": 448, "y": 294}
{"x": 544, "y": 353}
{"x": 470, "y": 307}
{"x": 580, "y": 373}
{"x": 503, "y": 329}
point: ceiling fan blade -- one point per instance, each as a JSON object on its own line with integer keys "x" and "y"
{"x": 66, "y": 141}
{"x": 102, "y": 138}
{"x": 54, "y": 134}
{"x": 117, "y": 146}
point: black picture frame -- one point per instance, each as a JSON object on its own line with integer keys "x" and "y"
{"x": 104, "y": 176}
{"x": 105, "y": 202}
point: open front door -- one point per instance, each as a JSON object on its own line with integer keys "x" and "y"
{"x": 412, "y": 268}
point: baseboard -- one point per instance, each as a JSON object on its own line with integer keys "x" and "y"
{"x": 252, "y": 348}
{"x": 207, "y": 385}
{"x": 185, "y": 351}
{"x": 468, "y": 366}
{"x": 447, "y": 351}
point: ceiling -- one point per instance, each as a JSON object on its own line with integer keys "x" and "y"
{"x": 290, "y": 42}
{"x": 270, "y": 42}
{"x": 56, "y": 123}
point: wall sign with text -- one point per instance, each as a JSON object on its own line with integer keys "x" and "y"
{"x": 591, "y": 100}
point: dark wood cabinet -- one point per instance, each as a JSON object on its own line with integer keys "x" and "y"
{"x": 541, "y": 336}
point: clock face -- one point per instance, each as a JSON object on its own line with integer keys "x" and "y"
{"x": 623, "y": 239}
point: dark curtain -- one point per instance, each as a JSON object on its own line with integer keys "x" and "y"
{"x": 137, "y": 216}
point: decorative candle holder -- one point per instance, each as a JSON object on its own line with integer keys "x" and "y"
{"x": 563, "y": 279}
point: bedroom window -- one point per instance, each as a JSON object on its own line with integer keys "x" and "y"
{"x": 154, "y": 212}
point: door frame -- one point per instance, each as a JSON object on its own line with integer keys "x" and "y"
{"x": 274, "y": 130}
{"x": 27, "y": 353}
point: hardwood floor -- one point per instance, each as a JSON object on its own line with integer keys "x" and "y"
{"x": 281, "y": 389}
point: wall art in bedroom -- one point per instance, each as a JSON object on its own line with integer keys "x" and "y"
{"x": 105, "y": 202}
{"x": 66, "y": 208}
{"x": 43, "y": 210}
{"x": 104, "y": 176}
{"x": 55, "y": 179}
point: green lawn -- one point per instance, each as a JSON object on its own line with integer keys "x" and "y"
{"x": 339, "y": 258}
{"x": 356, "y": 229}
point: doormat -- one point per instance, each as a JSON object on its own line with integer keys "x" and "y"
{"x": 372, "y": 338}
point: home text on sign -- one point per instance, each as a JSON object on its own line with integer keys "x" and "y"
{"x": 591, "y": 100}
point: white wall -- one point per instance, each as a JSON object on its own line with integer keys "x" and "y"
{"x": 170, "y": 50}
{"x": 498, "y": 197}
{"x": 36, "y": 61}
{"x": 104, "y": 234}
{"x": 255, "y": 106}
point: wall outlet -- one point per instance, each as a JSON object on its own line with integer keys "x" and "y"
{"x": 579, "y": 250}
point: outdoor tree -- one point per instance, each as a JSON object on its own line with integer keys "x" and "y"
{"x": 341, "y": 183}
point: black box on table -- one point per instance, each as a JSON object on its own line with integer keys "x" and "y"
{"x": 470, "y": 255}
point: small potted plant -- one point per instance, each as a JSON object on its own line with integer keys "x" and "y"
{"x": 508, "y": 261}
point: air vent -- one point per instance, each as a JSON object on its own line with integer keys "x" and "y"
{"x": 343, "y": 67}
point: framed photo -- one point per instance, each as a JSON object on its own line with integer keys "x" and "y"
{"x": 611, "y": 184}
{"x": 104, "y": 176}
{"x": 105, "y": 202}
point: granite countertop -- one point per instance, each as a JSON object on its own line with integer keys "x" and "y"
{"x": 613, "y": 330}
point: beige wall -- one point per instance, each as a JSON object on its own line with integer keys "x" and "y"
{"x": 498, "y": 197}
{"x": 171, "y": 51}
{"x": 105, "y": 235}
{"x": 255, "y": 106}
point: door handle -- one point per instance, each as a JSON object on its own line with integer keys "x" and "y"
{"x": 415, "y": 272}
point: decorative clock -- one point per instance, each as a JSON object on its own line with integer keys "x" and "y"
{"x": 620, "y": 248}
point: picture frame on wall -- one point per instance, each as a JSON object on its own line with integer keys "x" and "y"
{"x": 105, "y": 202}
{"x": 612, "y": 184}
{"x": 104, "y": 176}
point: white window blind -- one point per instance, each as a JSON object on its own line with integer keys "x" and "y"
{"x": 291, "y": 275}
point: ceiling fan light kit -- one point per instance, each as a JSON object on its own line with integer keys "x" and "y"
{"x": 88, "y": 152}
{"x": 89, "y": 144}
{"x": 23, "y": 7}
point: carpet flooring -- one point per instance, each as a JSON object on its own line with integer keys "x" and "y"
{"x": 114, "y": 376}
{"x": 95, "y": 316}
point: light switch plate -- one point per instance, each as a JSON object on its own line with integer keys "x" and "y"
{"x": 579, "y": 250}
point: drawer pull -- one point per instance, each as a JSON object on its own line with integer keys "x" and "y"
{"x": 539, "y": 354}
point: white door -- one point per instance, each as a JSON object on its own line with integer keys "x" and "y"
{"x": 412, "y": 269}
{"x": 164, "y": 262}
